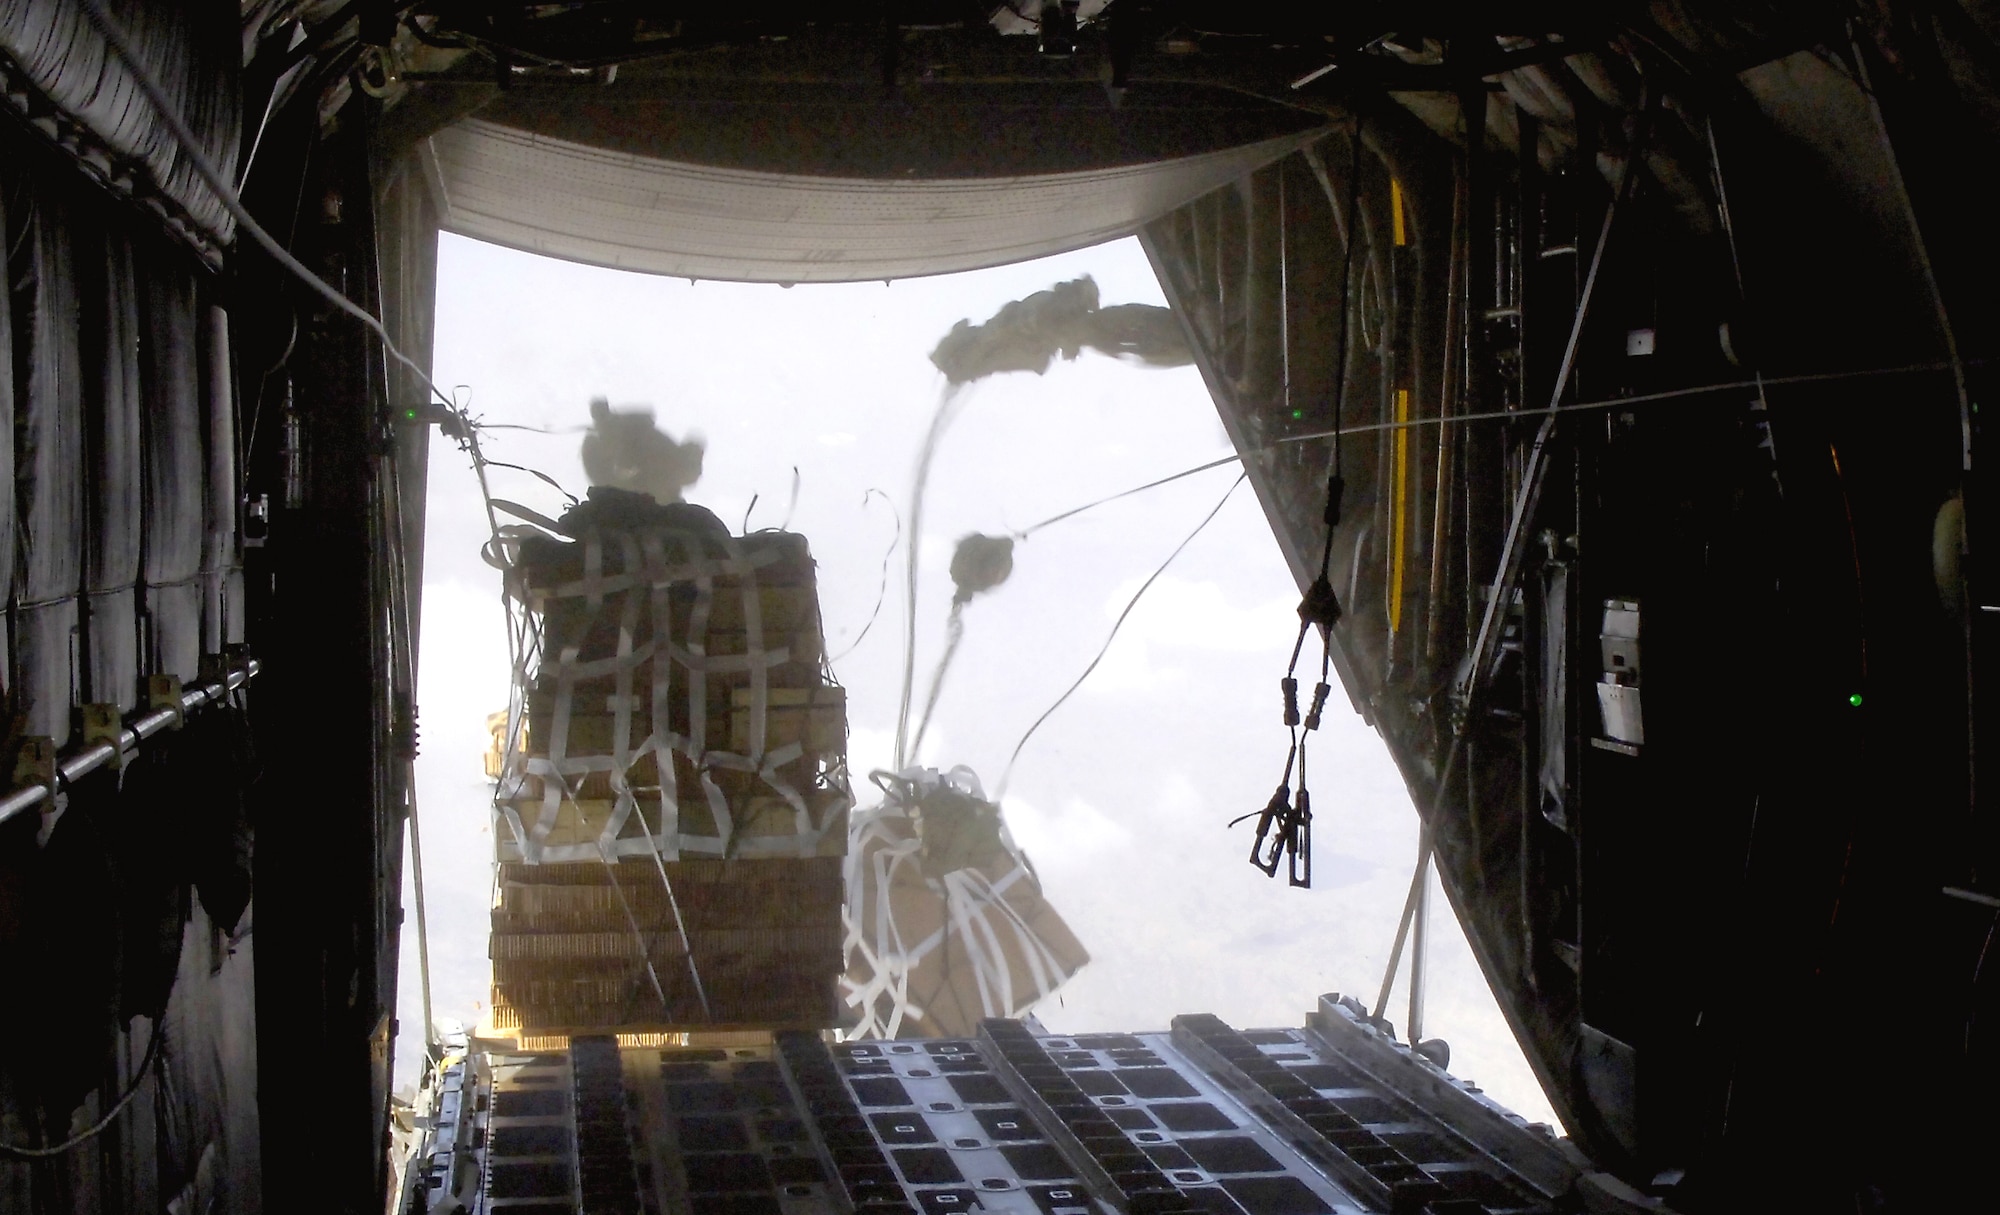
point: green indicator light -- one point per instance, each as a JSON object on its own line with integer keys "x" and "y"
{"x": 1855, "y": 700}
{"x": 411, "y": 414}
{"x": 1297, "y": 414}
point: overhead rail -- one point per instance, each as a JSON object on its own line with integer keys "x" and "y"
{"x": 168, "y": 706}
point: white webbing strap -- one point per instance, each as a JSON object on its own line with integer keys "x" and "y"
{"x": 657, "y": 561}
{"x": 659, "y": 743}
{"x": 1011, "y": 966}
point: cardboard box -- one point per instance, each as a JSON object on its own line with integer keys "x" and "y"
{"x": 927, "y": 902}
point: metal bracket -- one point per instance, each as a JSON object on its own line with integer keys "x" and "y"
{"x": 164, "y": 692}
{"x": 35, "y": 765}
{"x": 40, "y": 772}
{"x": 104, "y": 723}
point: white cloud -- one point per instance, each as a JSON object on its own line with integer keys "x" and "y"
{"x": 1073, "y": 833}
{"x": 1182, "y": 614}
{"x": 867, "y": 751}
{"x": 1129, "y": 666}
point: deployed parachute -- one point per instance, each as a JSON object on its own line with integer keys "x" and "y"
{"x": 1027, "y": 334}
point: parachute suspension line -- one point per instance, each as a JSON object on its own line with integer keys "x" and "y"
{"x": 882, "y": 591}
{"x": 1000, "y": 791}
{"x": 638, "y": 937}
{"x": 955, "y": 633}
{"x": 947, "y": 408}
{"x": 681, "y": 924}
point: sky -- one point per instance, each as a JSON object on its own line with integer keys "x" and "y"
{"x": 1121, "y": 800}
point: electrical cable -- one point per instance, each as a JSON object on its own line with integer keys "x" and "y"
{"x": 1341, "y": 349}
{"x": 1000, "y": 791}
{"x": 1978, "y": 969}
{"x": 226, "y": 194}
{"x": 139, "y": 1078}
{"x": 263, "y": 385}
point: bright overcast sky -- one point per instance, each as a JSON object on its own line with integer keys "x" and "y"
{"x": 1122, "y": 798}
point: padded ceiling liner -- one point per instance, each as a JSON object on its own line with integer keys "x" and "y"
{"x": 587, "y": 204}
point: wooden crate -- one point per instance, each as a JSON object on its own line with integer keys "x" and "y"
{"x": 759, "y": 898}
{"x": 566, "y": 957}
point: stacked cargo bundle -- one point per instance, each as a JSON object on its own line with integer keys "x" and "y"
{"x": 945, "y": 921}
{"x": 674, "y": 795}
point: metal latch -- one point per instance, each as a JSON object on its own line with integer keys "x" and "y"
{"x": 104, "y": 723}
{"x": 35, "y": 764}
{"x": 165, "y": 692}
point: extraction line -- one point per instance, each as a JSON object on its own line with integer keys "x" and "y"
{"x": 1757, "y": 384}
{"x": 1000, "y": 790}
